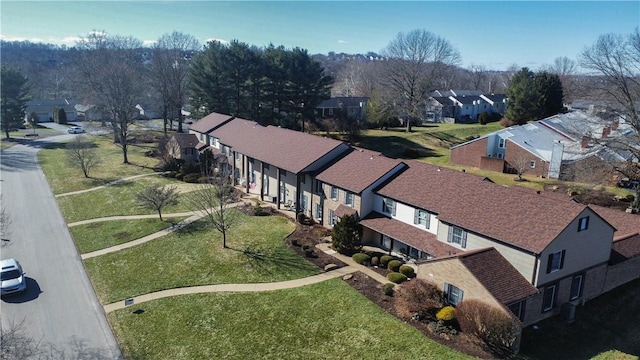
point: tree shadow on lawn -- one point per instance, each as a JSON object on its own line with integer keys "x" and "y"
{"x": 396, "y": 147}
{"x": 262, "y": 259}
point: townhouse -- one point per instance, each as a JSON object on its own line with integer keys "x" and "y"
{"x": 526, "y": 252}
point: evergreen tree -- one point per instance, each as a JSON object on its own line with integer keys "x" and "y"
{"x": 550, "y": 94}
{"x": 14, "y": 91}
{"x": 346, "y": 235}
{"x": 522, "y": 106}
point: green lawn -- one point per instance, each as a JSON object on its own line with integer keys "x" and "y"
{"x": 63, "y": 178}
{"x": 194, "y": 256}
{"x": 101, "y": 235}
{"x": 114, "y": 200}
{"x": 328, "y": 320}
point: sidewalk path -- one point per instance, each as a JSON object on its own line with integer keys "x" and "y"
{"x": 130, "y": 217}
{"x": 290, "y": 284}
{"x": 109, "y": 184}
{"x": 349, "y": 261}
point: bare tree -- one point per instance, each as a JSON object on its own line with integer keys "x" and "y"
{"x": 157, "y": 197}
{"x": 615, "y": 60}
{"x": 5, "y": 221}
{"x": 414, "y": 61}
{"x": 170, "y": 71}
{"x": 110, "y": 68}
{"x": 478, "y": 75}
{"x": 214, "y": 204}
{"x": 81, "y": 153}
{"x": 520, "y": 162}
{"x": 566, "y": 69}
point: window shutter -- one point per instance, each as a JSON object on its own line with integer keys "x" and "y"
{"x": 562, "y": 259}
{"x": 549, "y": 261}
{"x": 446, "y": 290}
{"x": 427, "y": 223}
{"x": 464, "y": 239}
{"x": 393, "y": 208}
{"x": 384, "y": 201}
{"x": 415, "y": 216}
{"x": 450, "y": 234}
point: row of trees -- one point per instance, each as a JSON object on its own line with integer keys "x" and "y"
{"x": 533, "y": 96}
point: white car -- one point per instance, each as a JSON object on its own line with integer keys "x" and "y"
{"x": 75, "y": 130}
{"x": 13, "y": 280}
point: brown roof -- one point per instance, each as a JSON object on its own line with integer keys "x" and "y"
{"x": 186, "y": 141}
{"x": 497, "y": 275}
{"x": 624, "y": 222}
{"x": 410, "y": 235}
{"x": 482, "y": 207}
{"x": 210, "y": 122}
{"x": 625, "y": 248}
{"x": 343, "y": 210}
{"x": 290, "y": 150}
{"x": 358, "y": 170}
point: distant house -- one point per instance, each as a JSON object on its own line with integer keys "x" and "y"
{"x": 353, "y": 108}
{"x": 462, "y": 106}
{"x": 183, "y": 147}
{"x": 44, "y": 109}
{"x": 556, "y": 147}
{"x": 89, "y": 112}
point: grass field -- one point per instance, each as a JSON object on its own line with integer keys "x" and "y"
{"x": 329, "y": 320}
{"x": 194, "y": 256}
{"x": 101, "y": 235}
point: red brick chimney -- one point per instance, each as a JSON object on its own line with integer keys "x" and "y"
{"x": 606, "y": 131}
{"x": 615, "y": 124}
{"x": 585, "y": 141}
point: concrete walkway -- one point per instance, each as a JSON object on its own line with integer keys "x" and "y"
{"x": 119, "y": 181}
{"x": 130, "y": 217}
{"x": 236, "y": 287}
{"x": 324, "y": 247}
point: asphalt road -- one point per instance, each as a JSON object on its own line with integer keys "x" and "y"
{"x": 59, "y": 307}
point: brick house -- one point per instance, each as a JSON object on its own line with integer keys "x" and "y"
{"x": 183, "y": 147}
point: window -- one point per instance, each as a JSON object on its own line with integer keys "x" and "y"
{"x": 266, "y": 166}
{"x": 555, "y": 261}
{"x": 303, "y": 203}
{"x": 532, "y": 164}
{"x": 330, "y": 111}
{"x": 576, "y": 287}
{"x": 319, "y": 212}
{"x": 283, "y": 173}
{"x": 265, "y": 184}
{"x": 583, "y": 223}
{"x": 333, "y": 219}
{"x": 389, "y": 206}
{"x": 457, "y": 236}
{"x": 188, "y": 151}
{"x": 414, "y": 253}
{"x": 421, "y": 217}
{"x": 349, "y": 199}
{"x": 385, "y": 241}
{"x": 318, "y": 187}
{"x": 334, "y": 193}
{"x": 237, "y": 155}
{"x": 518, "y": 309}
{"x": 453, "y": 294}
{"x": 500, "y": 155}
{"x": 303, "y": 178}
{"x": 549, "y": 298}
{"x": 501, "y": 143}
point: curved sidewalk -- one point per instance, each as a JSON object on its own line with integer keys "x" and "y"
{"x": 235, "y": 287}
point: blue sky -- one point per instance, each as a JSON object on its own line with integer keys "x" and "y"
{"x": 494, "y": 34}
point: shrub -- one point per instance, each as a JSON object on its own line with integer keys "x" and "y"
{"x": 394, "y": 265}
{"x": 407, "y": 271}
{"x": 447, "y": 313}
{"x": 179, "y": 176}
{"x": 203, "y": 179}
{"x": 384, "y": 260}
{"x": 497, "y": 329}
{"x": 294, "y": 242}
{"x": 375, "y": 261}
{"x": 417, "y": 297}
{"x": 308, "y": 252}
{"x": 302, "y": 218}
{"x": 630, "y": 197}
{"x": 191, "y": 178}
{"x": 396, "y": 277}
{"x": 306, "y": 247}
{"x": 387, "y": 289}
{"x": 361, "y": 258}
{"x": 346, "y": 235}
{"x": 483, "y": 119}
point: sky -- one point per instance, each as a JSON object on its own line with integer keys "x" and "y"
{"x": 493, "y": 34}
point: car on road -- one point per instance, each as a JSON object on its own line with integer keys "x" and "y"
{"x": 13, "y": 280}
{"x": 75, "y": 130}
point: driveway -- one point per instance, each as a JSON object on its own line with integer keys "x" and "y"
{"x": 60, "y": 307}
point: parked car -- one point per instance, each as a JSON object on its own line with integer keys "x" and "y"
{"x": 75, "y": 130}
{"x": 13, "y": 280}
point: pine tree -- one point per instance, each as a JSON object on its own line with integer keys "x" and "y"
{"x": 346, "y": 235}
{"x": 14, "y": 93}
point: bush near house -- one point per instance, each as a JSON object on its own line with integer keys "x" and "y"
{"x": 361, "y": 258}
{"x": 407, "y": 271}
{"x": 497, "y": 329}
{"x": 396, "y": 277}
{"x": 388, "y": 288}
{"x": 447, "y": 313}
{"x": 394, "y": 265}
{"x": 418, "y": 297}
{"x": 384, "y": 260}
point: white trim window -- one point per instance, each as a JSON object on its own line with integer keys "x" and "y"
{"x": 303, "y": 203}
{"x": 453, "y": 294}
{"x": 583, "y": 224}
{"x": 334, "y": 193}
{"x": 555, "y": 261}
{"x": 389, "y": 206}
{"x": 532, "y": 164}
{"x": 549, "y": 298}
{"x": 385, "y": 242}
{"x": 349, "y": 198}
{"x": 318, "y": 188}
{"x": 421, "y": 217}
{"x": 501, "y": 143}
{"x": 333, "y": 219}
{"x": 458, "y": 236}
{"x": 319, "y": 211}
{"x": 577, "y": 284}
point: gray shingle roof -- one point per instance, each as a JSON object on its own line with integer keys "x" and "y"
{"x": 210, "y": 122}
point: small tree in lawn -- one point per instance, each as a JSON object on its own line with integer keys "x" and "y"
{"x": 157, "y": 198}
{"x": 81, "y": 153}
{"x": 214, "y": 204}
{"x": 346, "y": 235}
{"x": 33, "y": 120}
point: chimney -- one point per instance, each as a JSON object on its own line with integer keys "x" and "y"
{"x": 615, "y": 124}
{"x": 606, "y": 131}
{"x": 585, "y": 141}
